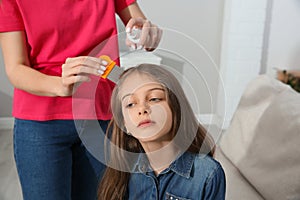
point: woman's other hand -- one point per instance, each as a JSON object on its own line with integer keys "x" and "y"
{"x": 150, "y": 34}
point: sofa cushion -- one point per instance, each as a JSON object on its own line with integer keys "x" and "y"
{"x": 237, "y": 187}
{"x": 263, "y": 139}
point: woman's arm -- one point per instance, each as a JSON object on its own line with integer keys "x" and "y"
{"x": 22, "y": 76}
{"x": 18, "y": 69}
{"x": 132, "y": 11}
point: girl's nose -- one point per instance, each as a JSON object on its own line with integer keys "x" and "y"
{"x": 144, "y": 109}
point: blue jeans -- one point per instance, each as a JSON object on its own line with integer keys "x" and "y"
{"x": 53, "y": 163}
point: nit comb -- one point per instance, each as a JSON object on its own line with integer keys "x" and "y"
{"x": 112, "y": 71}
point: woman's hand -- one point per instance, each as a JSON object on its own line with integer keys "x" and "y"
{"x": 78, "y": 70}
{"x": 150, "y": 34}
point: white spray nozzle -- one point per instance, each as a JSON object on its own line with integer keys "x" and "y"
{"x": 134, "y": 35}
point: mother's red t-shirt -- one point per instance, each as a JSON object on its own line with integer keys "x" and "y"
{"x": 56, "y": 30}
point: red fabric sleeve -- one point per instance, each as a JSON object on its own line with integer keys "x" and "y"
{"x": 10, "y": 18}
{"x": 121, "y": 4}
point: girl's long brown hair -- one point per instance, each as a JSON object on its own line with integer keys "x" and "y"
{"x": 188, "y": 133}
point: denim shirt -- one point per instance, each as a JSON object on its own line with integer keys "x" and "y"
{"x": 191, "y": 176}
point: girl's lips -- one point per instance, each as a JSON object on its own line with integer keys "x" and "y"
{"x": 145, "y": 123}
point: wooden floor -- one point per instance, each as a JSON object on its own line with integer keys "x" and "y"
{"x": 9, "y": 183}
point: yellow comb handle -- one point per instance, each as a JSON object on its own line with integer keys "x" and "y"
{"x": 109, "y": 66}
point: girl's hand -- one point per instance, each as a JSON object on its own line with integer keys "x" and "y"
{"x": 150, "y": 34}
{"x": 78, "y": 70}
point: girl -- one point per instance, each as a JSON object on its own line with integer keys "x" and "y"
{"x": 158, "y": 148}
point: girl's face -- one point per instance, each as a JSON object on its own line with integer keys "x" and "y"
{"x": 146, "y": 112}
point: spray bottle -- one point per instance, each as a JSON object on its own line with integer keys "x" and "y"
{"x": 134, "y": 35}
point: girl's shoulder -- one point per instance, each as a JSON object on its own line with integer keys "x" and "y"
{"x": 207, "y": 166}
{"x": 205, "y": 159}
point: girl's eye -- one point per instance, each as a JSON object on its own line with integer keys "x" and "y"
{"x": 155, "y": 99}
{"x": 130, "y": 105}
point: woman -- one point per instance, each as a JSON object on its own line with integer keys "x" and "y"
{"x": 47, "y": 47}
{"x": 158, "y": 148}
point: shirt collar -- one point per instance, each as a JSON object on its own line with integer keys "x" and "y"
{"x": 142, "y": 165}
{"x": 182, "y": 165}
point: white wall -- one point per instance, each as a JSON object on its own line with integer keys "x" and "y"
{"x": 200, "y": 19}
{"x": 284, "y": 36}
{"x": 242, "y": 48}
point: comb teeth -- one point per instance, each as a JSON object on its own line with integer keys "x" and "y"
{"x": 115, "y": 74}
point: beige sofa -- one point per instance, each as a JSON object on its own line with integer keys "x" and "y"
{"x": 260, "y": 151}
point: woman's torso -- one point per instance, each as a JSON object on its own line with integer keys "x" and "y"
{"x": 55, "y": 31}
